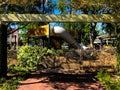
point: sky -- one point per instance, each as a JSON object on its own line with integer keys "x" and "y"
{"x": 14, "y": 25}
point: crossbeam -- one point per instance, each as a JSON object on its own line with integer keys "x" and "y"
{"x": 58, "y": 18}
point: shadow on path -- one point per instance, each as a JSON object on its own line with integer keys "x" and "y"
{"x": 57, "y": 81}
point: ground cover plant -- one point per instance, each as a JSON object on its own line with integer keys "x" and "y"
{"x": 111, "y": 81}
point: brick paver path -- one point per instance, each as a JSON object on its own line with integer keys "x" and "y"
{"x": 61, "y": 82}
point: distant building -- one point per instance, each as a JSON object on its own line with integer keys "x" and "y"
{"x": 107, "y": 39}
{"x": 104, "y": 40}
{"x": 12, "y": 39}
{"x": 98, "y": 43}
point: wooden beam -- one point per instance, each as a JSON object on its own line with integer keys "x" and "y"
{"x": 59, "y": 18}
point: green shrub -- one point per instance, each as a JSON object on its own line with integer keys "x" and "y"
{"x": 110, "y": 83}
{"x": 29, "y": 57}
{"x": 118, "y": 64}
{"x": 11, "y": 84}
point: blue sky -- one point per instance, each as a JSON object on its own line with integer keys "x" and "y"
{"x": 14, "y": 25}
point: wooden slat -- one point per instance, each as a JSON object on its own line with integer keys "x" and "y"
{"x": 58, "y": 18}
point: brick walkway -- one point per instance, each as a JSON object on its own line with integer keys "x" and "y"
{"x": 59, "y": 82}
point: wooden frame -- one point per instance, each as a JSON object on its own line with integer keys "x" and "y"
{"x": 59, "y": 18}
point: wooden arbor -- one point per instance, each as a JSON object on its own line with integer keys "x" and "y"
{"x": 43, "y": 18}
{"x": 59, "y": 18}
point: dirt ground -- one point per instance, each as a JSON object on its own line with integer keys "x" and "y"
{"x": 69, "y": 72}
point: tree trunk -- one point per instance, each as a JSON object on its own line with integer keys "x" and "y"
{"x": 92, "y": 33}
{"x": 3, "y": 50}
{"x": 43, "y": 7}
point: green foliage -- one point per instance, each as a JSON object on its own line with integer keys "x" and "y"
{"x": 11, "y": 84}
{"x": 29, "y": 57}
{"x": 61, "y": 6}
{"x": 111, "y": 83}
{"x": 85, "y": 33}
{"x": 118, "y": 63}
{"x": 118, "y": 46}
{"x": 52, "y": 52}
{"x": 31, "y": 6}
{"x": 103, "y": 77}
{"x": 23, "y": 35}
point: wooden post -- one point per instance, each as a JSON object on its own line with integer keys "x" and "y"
{"x": 3, "y": 50}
